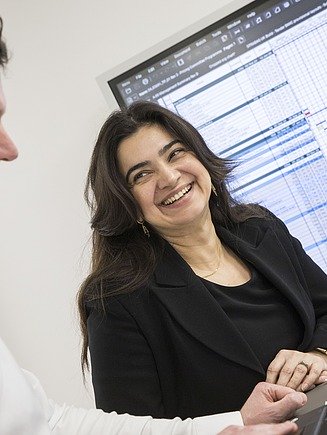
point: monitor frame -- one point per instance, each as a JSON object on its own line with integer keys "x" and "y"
{"x": 172, "y": 43}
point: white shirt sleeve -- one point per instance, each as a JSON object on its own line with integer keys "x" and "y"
{"x": 22, "y": 409}
{"x": 75, "y": 421}
{"x": 26, "y": 410}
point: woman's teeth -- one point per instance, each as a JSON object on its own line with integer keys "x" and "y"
{"x": 177, "y": 196}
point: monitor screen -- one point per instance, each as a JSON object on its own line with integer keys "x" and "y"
{"x": 255, "y": 86}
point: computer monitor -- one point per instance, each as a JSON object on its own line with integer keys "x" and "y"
{"x": 254, "y": 84}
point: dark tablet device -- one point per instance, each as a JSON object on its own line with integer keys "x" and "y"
{"x": 316, "y": 398}
{"x": 313, "y": 422}
{"x": 312, "y": 417}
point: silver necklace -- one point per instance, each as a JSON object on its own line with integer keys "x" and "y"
{"x": 212, "y": 273}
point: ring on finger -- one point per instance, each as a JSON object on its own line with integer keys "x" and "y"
{"x": 304, "y": 364}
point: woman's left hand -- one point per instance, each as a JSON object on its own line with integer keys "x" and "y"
{"x": 298, "y": 370}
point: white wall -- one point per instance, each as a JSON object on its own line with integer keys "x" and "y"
{"x": 54, "y": 112}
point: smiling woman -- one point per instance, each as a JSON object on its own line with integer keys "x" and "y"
{"x": 169, "y": 184}
{"x": 187, "y": 283}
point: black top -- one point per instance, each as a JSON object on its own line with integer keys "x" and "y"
{"x": 264, "y": 317}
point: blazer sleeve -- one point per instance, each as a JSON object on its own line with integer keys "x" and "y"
{"x": 124, "y": 373}
{"x": 316, "y": 284}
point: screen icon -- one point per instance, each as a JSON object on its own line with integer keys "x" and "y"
{"x": 180, "y": 62}
{"x": 258, "y": 20}
{"x": 131, "y": 99}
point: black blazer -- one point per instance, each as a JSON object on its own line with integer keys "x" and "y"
{"x": 168, "y": 350}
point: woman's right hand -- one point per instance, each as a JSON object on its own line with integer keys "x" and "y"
{"x": 298, "y": 370}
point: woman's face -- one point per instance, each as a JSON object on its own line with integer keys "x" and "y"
{"x": 171, "y": 187}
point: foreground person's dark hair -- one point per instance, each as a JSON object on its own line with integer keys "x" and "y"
{"x": 3, "y": 48}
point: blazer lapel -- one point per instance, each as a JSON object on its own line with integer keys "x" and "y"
{"x": 271, "y": 258}
{"x": 195, "y": 309}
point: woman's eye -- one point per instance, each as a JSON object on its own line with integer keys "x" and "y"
{"x": 174, "y": 153}
{"x": 137, "y": 177}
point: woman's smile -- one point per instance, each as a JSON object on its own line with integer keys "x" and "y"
{"x": 177, "y": 196}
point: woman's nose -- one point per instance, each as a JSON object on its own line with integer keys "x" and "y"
{"x": 168, "y": 177}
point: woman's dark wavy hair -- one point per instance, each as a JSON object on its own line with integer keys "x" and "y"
{"x": 123, "y": 258}
{"x": 3, "y": 49}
